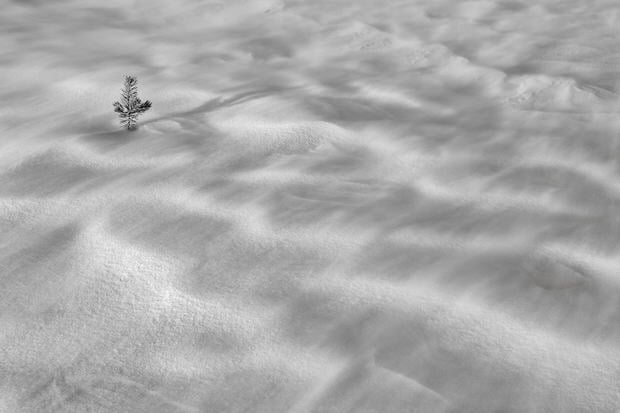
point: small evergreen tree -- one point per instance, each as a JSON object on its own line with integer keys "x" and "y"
{"x": 130, "y": 106}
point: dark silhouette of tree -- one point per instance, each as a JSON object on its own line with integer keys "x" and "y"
{"x": 130, "y": 105}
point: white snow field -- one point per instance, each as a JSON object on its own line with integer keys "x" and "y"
{"x": 333, "y": 206}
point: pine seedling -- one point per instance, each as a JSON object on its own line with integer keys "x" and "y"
{"x": 130, "y": 105}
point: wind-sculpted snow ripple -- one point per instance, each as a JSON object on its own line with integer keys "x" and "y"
{"x": 331, "y": 207}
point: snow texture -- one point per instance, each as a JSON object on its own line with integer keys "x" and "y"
{"x": 332, "y": 207}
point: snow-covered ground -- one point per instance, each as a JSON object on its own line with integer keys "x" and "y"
{"x": 332, "y": 207}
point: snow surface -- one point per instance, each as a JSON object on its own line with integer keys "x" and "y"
{"x": 333, "y": 206}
